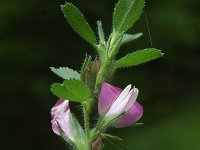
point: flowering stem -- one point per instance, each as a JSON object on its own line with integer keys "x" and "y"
{"x": 100, "y": 126}
{"x": 87, "y": 124}
{"x": 106, "y": 70}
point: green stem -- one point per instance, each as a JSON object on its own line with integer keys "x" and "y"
{"x": 87, "y": 125}
{"x": 98, "y": 129}
{"x": 106, "y": 69}
{"x": 104, "y": 73}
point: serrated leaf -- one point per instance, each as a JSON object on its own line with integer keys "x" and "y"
{"x": 73, "y": 90}
{"x": 115, "y": 141}
{"x": 66, "y": 73}
{"x": 78, "y": 22}
{"x": 138, "y": 57}
{"x": 126, "y": 13}
{"x": 130, "y": 37}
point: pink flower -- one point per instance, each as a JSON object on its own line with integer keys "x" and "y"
{"x": 114, "y": 103}
{"x": 61, "y": 119}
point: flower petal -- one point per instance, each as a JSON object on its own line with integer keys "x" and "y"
{"x": 134, "y": 114}
{"x": 59, "y": 108}
{"x": 107, "y": 96}
{"x": 132, "y": 99}
{"x": 119, "y": 105}
{"x": 60, "y": 114}
{"x": 65, "y": 124}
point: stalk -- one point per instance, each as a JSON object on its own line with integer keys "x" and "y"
{"x": 87, "y": 126}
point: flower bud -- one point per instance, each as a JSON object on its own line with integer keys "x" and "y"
{"x": 90, "y": 73}
{"x": 61, "y": 119}
{"x": 120, "y": 106}
{"x": 93, "y": 68}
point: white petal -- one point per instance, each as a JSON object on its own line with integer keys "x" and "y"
{"x": 132, "y": 99}
{"x": 119, "y": 104}
{"x": 121, "y": 97}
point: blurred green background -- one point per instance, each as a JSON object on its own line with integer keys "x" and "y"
{"x": 34, "y": 36}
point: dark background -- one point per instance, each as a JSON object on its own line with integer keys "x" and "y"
{"x": 34, "y": 36}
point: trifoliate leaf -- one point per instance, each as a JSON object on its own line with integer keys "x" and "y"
{"x": 138, "y": 57}
{"x": 130, "y": 37}
{"x": 78, "y": 22}
{"x": 126, "y": 13}
{"x": 73, "y": 90}
{"x": 66, "y": 73}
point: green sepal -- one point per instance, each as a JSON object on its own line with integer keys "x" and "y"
{"x": 138, "y": 57}
{"x": 85, "y": 64}
{"x": 92, "y": 74}
{"x": 101, "y": 47}
{"x": 73, "y": 90}
{"x": 78, "y": 22}
{"x": 115, "y": 141}
{"x": 126, "y": 13}
{"x": 66, "y": 73}
{"x": 130, "y": 37}
{"x": 105, "y": 135}
{"x": 79, "y": 134}
{"x": 102, "y": 52}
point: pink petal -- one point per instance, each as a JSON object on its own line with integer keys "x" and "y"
{"x": 61, "y": 114}
{"x": 134, "y": 114}
{"x": 107, "y": 96}
{"x": 65, "y": 124}
{"x": 60, "y": 107}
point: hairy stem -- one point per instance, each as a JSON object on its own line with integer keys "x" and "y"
{"x": 87, "y": 125}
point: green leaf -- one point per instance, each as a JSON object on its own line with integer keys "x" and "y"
{"x": 115, "y": 141}
{"x": 100, "y": 32}
{"x": 130, "y": 37}
{"x": 66, "y": 73}
{"x": 73, "y": 90}
{"x": 126, "y": 13}
{"x": 138, "y": 57}
{"x": 58, "y": 90}
{"x": 78, "y": 22}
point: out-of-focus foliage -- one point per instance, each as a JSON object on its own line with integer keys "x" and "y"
{"x": 34, "y": 36}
